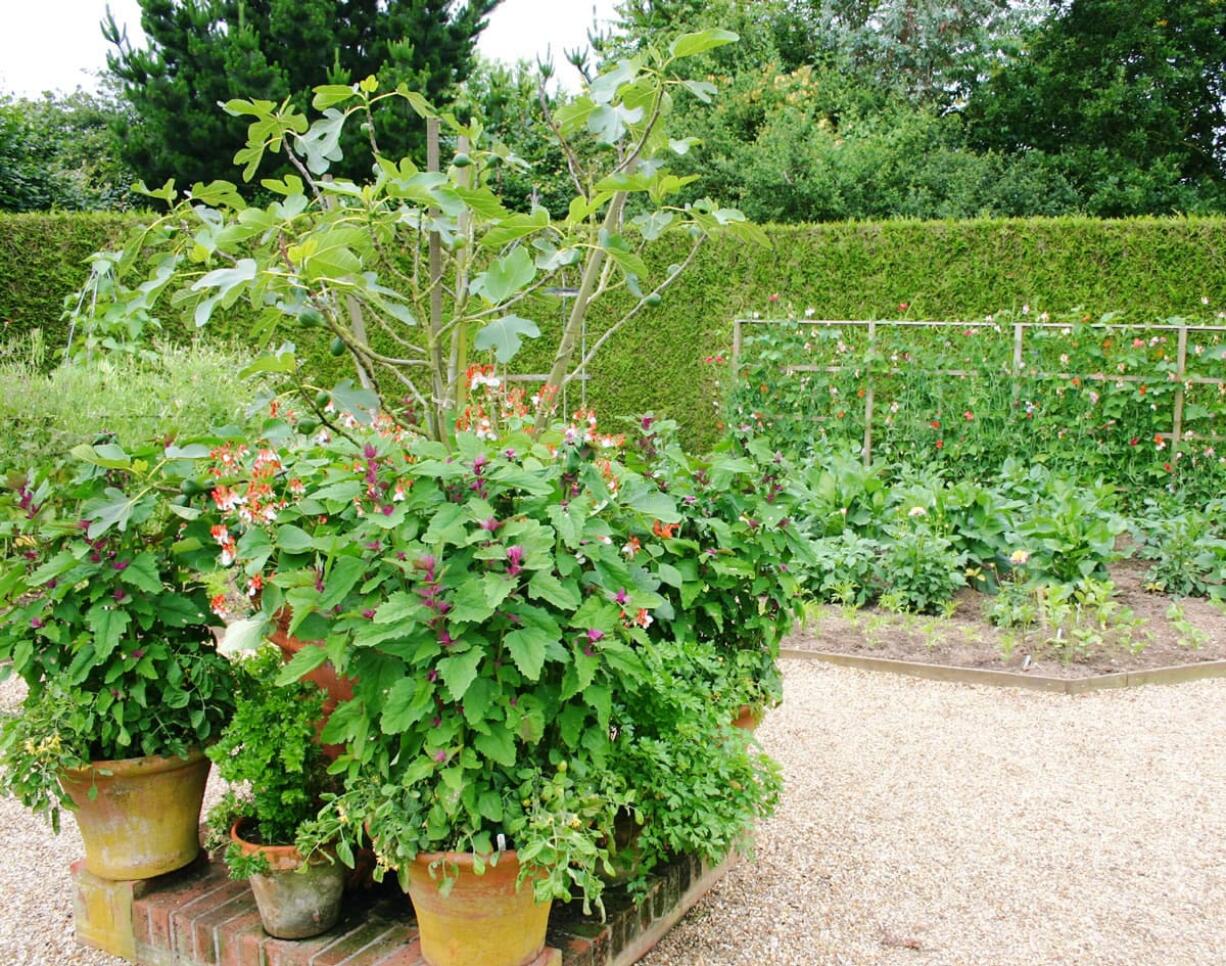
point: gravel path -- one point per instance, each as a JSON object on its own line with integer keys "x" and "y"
{"x": 925, "y": 822}
{"x": 922, "y": 823}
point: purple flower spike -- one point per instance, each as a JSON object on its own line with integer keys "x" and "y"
{"x": 370, "y": 452}
{"x": 588, "y": 651}
{"x": 36, "y": 622}
{"x": 491, "y": 524}
{"x": 509, "y": 453}
{"x": 595, "y": 634}
{"x": 432, "y": 675}
{"x": 121, "y": 564}
{"x": 445, "y": 638}
{"x": 646, "y": 422}
{"x": 388, "y": 509}
{"x": 622, "y": 598}
{"x": 440, "y": 756}
{"x": 369, "y": 613}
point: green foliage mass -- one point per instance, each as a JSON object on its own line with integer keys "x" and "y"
{"x": 1149, "y": 268}
{"x": 1126, "y": 96}
{"x": 203, "y": 53}
{"x": 57, "y": 151}
{"x": 183, "y": 391}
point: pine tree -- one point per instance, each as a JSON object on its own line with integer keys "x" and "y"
{"x": 203, "y": 52}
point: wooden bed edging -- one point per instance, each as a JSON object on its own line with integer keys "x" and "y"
{"x": 1175, "y": 674}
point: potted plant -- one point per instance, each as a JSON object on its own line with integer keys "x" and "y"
{"x": 485, "y": 617}
{"x": 124, "y": 684}
{"x": 277, "y": 773}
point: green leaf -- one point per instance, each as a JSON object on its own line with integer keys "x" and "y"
{"x": 359, "y": 403}
{"x": 345, "y": 572}
{"x": 604, "y": 88}
{"x": 228, "y": 282}
{"x": 459, "y": 670}
{"x": 329, "y": 95}
{"x": 242, "y": 636}
{"x": 506, "y": 276}
{"x": 655, "y": 504}
{"x": 498, "y": 745}
{"x": 687, "y": 45}
{"x": 545, "y": 586}
{"x": 408, "y": 701}
{"x": 322, "y": 143}
{"x": 703, "y": 90}
{"x": 504, "y": 336}
{"x": 293, "y": 539}
{"x": 108, "y": 626}
{"x": 515, "y": 227}
{"x": 142, "y": 573}
{"x": 527, "y": 646}
{"x": 108, "y": 455}
{"x": 302, "y": 663}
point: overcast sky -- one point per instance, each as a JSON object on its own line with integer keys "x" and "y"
{"x": 57, "y": 44}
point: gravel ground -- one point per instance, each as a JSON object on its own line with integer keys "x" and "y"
{"x": 922, "y": 822}
{"x": 925, "y": 822}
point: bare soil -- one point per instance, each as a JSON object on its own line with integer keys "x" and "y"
{"x": 1150, "y": 639}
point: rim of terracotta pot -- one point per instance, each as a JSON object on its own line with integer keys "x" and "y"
{"x": 280, "y": 858}
{"x": 465, "y": 859}
{"x": 134, "y": 767}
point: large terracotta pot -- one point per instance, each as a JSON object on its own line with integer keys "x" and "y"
{"x": 294, "y": 903}
{"x": 144, "y": 820}
{"x": 484, "y": 920}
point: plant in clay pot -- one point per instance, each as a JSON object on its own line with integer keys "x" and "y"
{"x": 277, "y": 773}
{"x": 124, "y": 685}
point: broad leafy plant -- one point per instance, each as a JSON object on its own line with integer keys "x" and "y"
{"x": 101, "y": 618}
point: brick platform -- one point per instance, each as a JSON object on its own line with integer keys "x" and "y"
{"x": 200, "y": 917}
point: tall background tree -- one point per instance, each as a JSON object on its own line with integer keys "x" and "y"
{"x": 202, "y": 52}
{"x": 1129, "y": 98}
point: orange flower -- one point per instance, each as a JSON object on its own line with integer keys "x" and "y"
{"x": 664, "y": 531}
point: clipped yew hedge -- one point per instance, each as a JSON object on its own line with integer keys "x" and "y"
{"x": 1147, "y": 268}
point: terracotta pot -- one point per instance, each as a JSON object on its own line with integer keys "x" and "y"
{"x": 144, "y": 820}
{"x": 294, "y": 902}
{"x": 484, "y": 920}
{"x": 336, "y": 688}
{"x": 748, "y": 717}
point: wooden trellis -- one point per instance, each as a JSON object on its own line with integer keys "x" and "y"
{"x": 1018, "y": 371}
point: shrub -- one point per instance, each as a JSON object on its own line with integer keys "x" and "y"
{"x": 920, "y": 570}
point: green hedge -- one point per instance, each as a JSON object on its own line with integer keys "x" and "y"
{"x": 1147, "y": 268}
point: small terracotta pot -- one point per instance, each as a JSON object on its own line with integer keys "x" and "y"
{"x": 748, "y": 717}
{"x": 144, "y": 820}
{"x": 294, "y": 902}
{"x": 336, "y": 688}
{"x": 484, "y": 920}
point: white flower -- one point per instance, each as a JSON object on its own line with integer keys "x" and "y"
{"x": 810, "y": 312}
{"x": 1019, "y": 558}
{"x": 1026, "y": 309}
{"x": 1204, "y": 300}
{"x": 917, "y": 511}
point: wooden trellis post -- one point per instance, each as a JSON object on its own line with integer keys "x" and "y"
{"x": 868, "y": 397}
{"x": 1181, "y": 365}
{"x": 1018, "y": 332}
{"x": 736, "y": 347}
